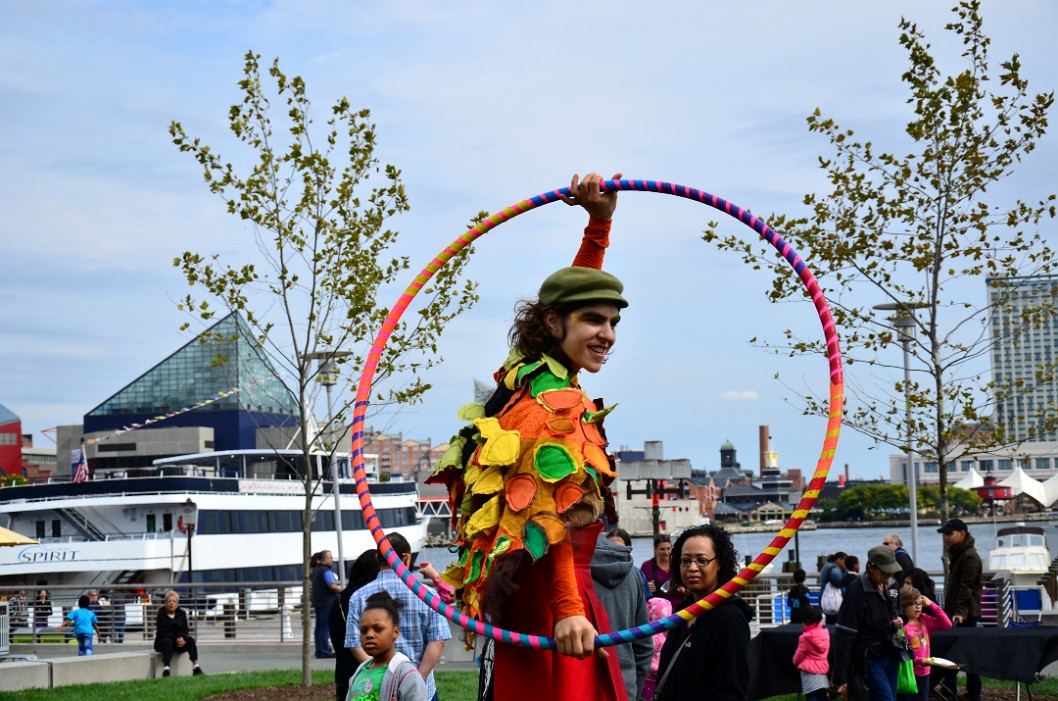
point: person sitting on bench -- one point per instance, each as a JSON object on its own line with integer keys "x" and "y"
{"x": 174, "y": 636}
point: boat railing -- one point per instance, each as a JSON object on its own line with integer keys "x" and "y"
{"x": 111, "y": 537}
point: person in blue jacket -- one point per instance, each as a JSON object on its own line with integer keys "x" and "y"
{"x": 85, "y": 626}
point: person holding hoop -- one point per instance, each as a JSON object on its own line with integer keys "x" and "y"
{"x": 529, "y": 478}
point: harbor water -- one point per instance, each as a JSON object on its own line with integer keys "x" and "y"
{"x": 825, "y": 541}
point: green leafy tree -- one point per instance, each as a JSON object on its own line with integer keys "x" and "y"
{"x": 317, "y": 201}
{"x": 874, "y": 500}
{"x": 828, "y": 509}
{"x": 964, "y": 500}
{"x": 910, "y": 230}
{"x": 929, "y": 497}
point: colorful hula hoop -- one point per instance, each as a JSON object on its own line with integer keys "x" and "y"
{"x": 742, "y": 578}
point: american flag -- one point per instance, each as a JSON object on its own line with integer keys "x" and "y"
{"x": 80, "y": 472}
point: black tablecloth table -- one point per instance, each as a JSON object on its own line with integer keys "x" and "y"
{"x": 1015, "y": 654}
{"x": 771, "y": 667}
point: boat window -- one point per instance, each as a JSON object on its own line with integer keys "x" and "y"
{"x": 1037, "y": 561}
{"x": 56, "y": 528}
{"x": 352, "y": 520}
{"x": 40, "y": 530}
{"x": 324, "y": 521}
{"x": 152, "y": 523}
{"x": 996, "y": 562}
{"x": 1017, "y": 559}
{"x": 167, "y": 522}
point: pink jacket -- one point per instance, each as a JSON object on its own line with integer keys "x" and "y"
{"x": 812, "y": 649}
{"x": 918, "y": 633}
{"x": 658, "y": 608}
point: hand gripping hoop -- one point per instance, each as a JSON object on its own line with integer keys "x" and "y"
{"x": 742, "y": 578}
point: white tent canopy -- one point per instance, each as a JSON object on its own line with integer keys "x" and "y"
{"x": 1050, "y": 488}
{"x": 1020, "y": 482}
{"x": 971, "y": 480}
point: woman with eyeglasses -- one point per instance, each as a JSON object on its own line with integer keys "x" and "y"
{"x": 708, "y": 658}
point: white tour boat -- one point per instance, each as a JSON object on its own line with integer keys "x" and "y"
{"x": 131, "y": 527}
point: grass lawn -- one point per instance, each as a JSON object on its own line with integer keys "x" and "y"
{"x": 451, "y": 686}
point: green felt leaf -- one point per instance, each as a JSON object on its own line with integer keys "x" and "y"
{"x": 553, "y": 462}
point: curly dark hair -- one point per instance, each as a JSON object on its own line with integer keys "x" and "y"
{"x": 382, "y": 600}
{"x": 723, "y": 548}
{"x": 530, "y": 335}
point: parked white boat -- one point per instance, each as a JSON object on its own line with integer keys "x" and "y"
{"x": 1021, "y": 553}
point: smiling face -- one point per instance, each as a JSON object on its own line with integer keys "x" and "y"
{"x": 662, "y": 553}
{"x": 378, "y": 633}
{"x": 699, "y": 566}
{"x": 586, "y": 334}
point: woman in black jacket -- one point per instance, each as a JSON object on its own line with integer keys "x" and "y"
{"x": 709, "y": 657}
{"x": 173, "y": 635}
{"x": 867, "y": 654}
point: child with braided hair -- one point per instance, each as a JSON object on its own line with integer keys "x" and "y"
{"x": 387, "y": 675}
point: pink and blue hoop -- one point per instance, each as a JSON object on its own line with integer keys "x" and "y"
{"x": 747, "y": 575}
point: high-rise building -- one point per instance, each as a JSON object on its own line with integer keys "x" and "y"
{"x": 1024, "y": 334}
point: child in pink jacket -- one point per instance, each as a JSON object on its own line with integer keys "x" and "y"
{"x": 657, "y": 608}
{"x": 923, "y": 618}
{"x": 811, "y": 656}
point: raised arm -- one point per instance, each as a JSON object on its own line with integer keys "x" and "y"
{"x": 600, "y": 207}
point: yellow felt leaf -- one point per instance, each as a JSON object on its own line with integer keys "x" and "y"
{"x": 490, "y": 481}
{"x": 475, "y": 410}
{"x": 501, "y": 446}
{"x": 484, "y": 518}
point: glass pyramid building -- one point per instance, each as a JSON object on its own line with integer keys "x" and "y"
{"x": 222, "y": 374}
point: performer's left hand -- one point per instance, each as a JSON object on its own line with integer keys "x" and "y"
{"x": 575, "y": 636}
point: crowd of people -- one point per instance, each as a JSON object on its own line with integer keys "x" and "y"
{"x": 883, "y": 619}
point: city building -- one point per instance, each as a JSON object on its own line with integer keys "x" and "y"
{"x": 641, "y": 472}
{"x": 1039, "y": 460}
{"x": 219, "y": 391}
{"x": 401, "y": 458}
{"x": 1024, "y": 336}
{"x": 10, "y": 442}
{"x": 37, "y": 462}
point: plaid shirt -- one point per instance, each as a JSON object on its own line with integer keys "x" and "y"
{"x": 419, "y": 624}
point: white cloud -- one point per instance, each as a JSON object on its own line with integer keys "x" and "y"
{"x": 740, "y": 395}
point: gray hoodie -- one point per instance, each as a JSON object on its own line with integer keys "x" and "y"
{"x": 620, "y": 590}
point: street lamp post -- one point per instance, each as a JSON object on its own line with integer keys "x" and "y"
{"x": 190, "y": 520}
{"x": 905, "y": 324}
{"x": 328, "y": 373}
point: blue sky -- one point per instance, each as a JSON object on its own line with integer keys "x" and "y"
{"x": 481, "y": 105}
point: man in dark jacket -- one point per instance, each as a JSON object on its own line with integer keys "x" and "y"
{"x": 962, "y": 592}
{"x": 866, "y": 660}
{"x": 620, "y": 590}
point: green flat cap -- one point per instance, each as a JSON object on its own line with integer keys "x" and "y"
{"x": 568, "y": 285}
